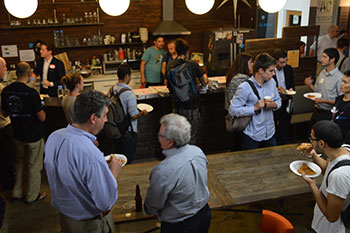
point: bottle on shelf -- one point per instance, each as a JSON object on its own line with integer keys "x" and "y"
{"x": 60, "y": 91}
{"x": 138, "y": 199}
{"x": 121, "y": 54}
{"x": 86, "y": 17}
{"x": 64, "y": 19}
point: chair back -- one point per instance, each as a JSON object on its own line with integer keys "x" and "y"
{"x": 272, "y": 222}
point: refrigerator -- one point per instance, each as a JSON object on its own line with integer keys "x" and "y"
{"x": 221, "y": 47}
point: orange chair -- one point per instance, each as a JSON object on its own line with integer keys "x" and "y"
{"x": 272, "y": 222}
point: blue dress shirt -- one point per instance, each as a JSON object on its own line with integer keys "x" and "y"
{"x": 81, "y": 184}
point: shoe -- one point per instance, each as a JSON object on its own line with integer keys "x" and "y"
{"x": 41, "y": 196}
{"x": 16, "y": 199}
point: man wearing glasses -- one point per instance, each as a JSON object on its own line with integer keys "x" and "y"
{"x": 333, "y": 195}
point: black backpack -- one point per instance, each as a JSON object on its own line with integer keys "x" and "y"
{"x": 182, "y": 84}
{"x": 118, "y": 121}
{"x": 345, "y": 215}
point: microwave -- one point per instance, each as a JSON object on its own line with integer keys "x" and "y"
{"x": 111, "y": 67}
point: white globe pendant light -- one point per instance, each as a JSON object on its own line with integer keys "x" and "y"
{"x": 21, "y": 8}
{"x": 114, "y": 7}
{"x": 272, "y": 6}
{"x": 199, "y": 7}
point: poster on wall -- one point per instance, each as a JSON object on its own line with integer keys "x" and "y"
{"x": 324, "y": 15}
{"x": 9, "y": 50}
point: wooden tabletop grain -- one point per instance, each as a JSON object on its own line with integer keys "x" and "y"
{"x": 234, "y": 178}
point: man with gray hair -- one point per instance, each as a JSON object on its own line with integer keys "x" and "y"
{"x": 178, "y": 194}
{"x": 83, "y": 185}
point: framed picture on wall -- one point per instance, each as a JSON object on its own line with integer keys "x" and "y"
{"x": 293, "y": 18}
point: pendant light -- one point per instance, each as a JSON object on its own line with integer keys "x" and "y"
{"x": 21, "y": 8}
{"x": 114, "y": 7}
{"x": 272, "y": 6}
{"x": 199, "y": 7}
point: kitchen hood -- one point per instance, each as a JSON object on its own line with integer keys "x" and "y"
{"x": 168, "y": 26}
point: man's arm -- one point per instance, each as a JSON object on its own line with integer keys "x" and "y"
{"x": 142, "y": 70}
{"x": 140, "y": 114}
{"x": 308, "y": 81}
{"x": 41, "y": 115}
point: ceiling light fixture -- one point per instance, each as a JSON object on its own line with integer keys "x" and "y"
{"x": 21, "y": 8}
{"x": 114, "y": 7}
{"x": 199, "y": 7}
{"x": 272, "y": 6}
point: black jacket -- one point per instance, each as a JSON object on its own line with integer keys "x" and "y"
{"x": 55, "y": 73}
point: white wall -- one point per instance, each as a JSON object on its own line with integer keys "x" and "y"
{"x": 293, "y": 5}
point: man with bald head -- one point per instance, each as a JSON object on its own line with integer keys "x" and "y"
{"x": 326, "y": 41}
{"x": 6, "y": 142}
{"x": 24, "y": 107}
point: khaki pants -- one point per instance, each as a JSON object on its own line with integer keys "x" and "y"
{"x": 28, "y": 165}
{"x": 103, "y": 225}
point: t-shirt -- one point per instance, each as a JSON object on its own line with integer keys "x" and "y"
{"x": 4, "y": 121}
{"x": 68, "y": 107}
{"x": 153, "y": 58}
{"x": 342, "y": 115}
{"x": 338, "y": 185}
{"x": 23, "y": 103}
{"x": 196, "y": 72}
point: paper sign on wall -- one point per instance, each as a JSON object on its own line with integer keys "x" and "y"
{"x": 9, "y": 50}
{"x": 293, "y": 58}
{"x": 26, "y": 55}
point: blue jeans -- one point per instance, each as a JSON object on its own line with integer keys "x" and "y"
{"x": 248, "y": 143}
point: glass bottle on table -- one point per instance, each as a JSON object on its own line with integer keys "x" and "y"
{"x": 138, "y": 199}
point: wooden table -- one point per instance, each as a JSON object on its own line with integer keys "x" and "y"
{"x": 234, "y": 178}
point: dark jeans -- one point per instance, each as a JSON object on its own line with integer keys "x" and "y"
{"x": 199, "y": 223}
{"x": 154, "y": 84}
{"x": 282, "y": 123}
{"x": 126, "y": 145}
{"x": 192, "y": 116}
{"x": 248, "y": 143}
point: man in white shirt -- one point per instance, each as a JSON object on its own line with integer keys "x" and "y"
{"x": 333, "y": 195}
{"x": 326, "y": 41}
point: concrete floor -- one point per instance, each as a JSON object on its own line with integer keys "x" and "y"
{"x": 43, "y": 218}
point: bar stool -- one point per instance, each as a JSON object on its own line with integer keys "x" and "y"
{"x": 272, "y": 222}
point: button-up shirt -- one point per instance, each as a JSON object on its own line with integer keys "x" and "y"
{"x": 178, "y": 185}
{"x": 46, "y": 70}
{"x": 262, "y": 126}
{"x": 324, "y": 42}
{"x": 81, "y": 184}
{"x": 328, "y": 84}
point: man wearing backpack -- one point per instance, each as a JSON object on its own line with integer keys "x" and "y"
{"x": 181, "y": 75}
{"x": 126, "y": 145}
{"x": 333, "y": 195}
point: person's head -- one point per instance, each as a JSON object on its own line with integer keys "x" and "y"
{"x": 281, "y": 57}
{"x": 73, "y": 82}
{"x": 182, "y": 47}
{"x": 242, "y": 65}
{"x": 342, "y": 44}
{"x": 24, "y": 71}
{"x": 333, "y": 31}
{"x": 90, "y": 109}
{"x": 175, "y": 131}
{"x": 159, "y": 42}
{"x": 124, "y": 73}
{"x": 264, "y": 66}
{"x": 330, "y": 56}
{"x": 46, "y": 51}
{"x": 345, "y": 84}
{"x": 302, "y": 47}
{"x": 3, "y": 67}
{"x": 325, "y": 133}
{"x": 171, "y": 47}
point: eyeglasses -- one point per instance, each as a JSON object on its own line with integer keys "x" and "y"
{"x": 313, "y": 139}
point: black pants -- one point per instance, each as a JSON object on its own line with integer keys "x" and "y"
{"x": 282, "y": 123}
{"x": 126, "y": 145}
{"x": 154, "y": 84}
{"x": 199, "y": 223}
{"x": 7, "y": 157}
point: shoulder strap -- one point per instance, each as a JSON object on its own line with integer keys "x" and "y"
{"x": 122, "y": 90}
{"x": 339, "y": 164}
{"x": 254, "y": 88}
{"x": 341, "y": 63}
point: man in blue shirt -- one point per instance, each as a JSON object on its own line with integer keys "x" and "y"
{"x": 261, "y": 129}
{"x": 151, "y": 62}
{"x": 83, "y": 185}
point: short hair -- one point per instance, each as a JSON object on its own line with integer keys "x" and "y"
{"x": 49, "y": 47}
{"x": 157, "y": 37}
{"x": 123, "y": 70}
{"x": 182, "y": 47}
{"x": 176, "y": 128}
{"x": 280, "y": 53}
{"x": 71, "y": 80}
{"x": 342, "y": 42}
{"x": 301, "y": 43}
{"x": 23, "y": 69}
{"x": 332, "y": 53}
{"x": 88, "y": 103}
{"x": 329, "y": 132}
{"x": 347, "y": 73}
{"x": 264, "y": 61}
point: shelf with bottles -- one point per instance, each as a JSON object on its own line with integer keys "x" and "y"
{"x": 53, "y": 25}
{"x": 53, "y": 2}
{"x": 100, "y": 45}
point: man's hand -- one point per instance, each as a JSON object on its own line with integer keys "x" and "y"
{"x": 259, "y": 105}
{"x": 309, "y": 181}
{"x": 270, "y": 104}
{"x": 144, "y": 112}
{"x": 115, "y": 165}
{"x": 318, "y": 100}
{"x": 308, "y": 81}
{"x": 46, "y": 83}
{"x": 143, "y": 81}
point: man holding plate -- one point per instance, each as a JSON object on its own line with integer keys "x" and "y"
{"x": 333, "y": 195}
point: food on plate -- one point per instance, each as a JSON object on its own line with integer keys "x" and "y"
{"x": 281, "y": 89}
{"x": 304, "y": 146}
{"x": 304, "y": 168}
{"x": 120, "y": 160}
{"x": 311, "y": 96}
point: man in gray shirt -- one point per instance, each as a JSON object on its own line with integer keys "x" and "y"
{"x": 328, "y": 84}
{"x": 178, "y": 194}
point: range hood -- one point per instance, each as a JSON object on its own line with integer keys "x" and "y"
{"x": 168, "y": 26}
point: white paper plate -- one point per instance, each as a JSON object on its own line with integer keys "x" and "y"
{"x": 313, "y": 94}
{"x": 118, "y": 156}
{"x": 288, "y": 92}
{"x": 147, "y": 107}
{"x": 294, "y": 166}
